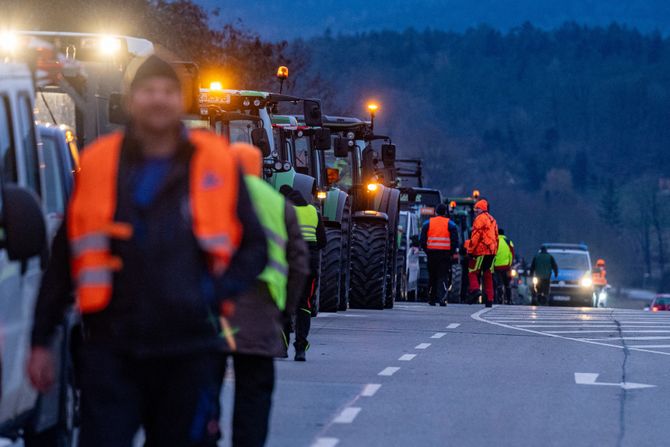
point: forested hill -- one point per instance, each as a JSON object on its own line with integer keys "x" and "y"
{"x": 550, "y": 124}
{"x": 274, "y": 20}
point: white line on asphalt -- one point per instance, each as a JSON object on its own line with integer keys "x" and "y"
{"x": 609, "y": 330}
{"x": 347, "y": 415}
{"x": 370, "y": 389}
{"x": 326, "y": 442}
{"x": 389, "y": 371}
{"x": 564, "y": 326}
{"x": 422, "y": 346}
{"x": 478, "y": 317}
{"x": 406, "y": 357}
{"x": 453, "y": 325}
{"x": 630, "y": 338}
{"x": 438, "y": 335}
{"x": 590, "y": 379}
{"x": 649, "y": 346}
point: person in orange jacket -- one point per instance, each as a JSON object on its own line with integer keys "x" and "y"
{"x": 482, "y": 248}
{"x": 600, "y": 274}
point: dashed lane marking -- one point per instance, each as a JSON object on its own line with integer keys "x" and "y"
{"x": 347, "y": 415}
{"x": 389, "y": 371}
{"x": 370, "y": 389}
{"x": 422, "y": 346}
{"x": 326, "y": 442}
{"x": 453, "y": 325}
{"x": 406, "y": 357}
{"x": 438, "y": 335}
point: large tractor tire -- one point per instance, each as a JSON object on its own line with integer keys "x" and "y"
{"x": 331, "y": 260}
{"x": 456, "y": 284}
{"x": 369, "y": 246}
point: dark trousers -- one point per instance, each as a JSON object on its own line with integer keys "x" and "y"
{"x": 302, "y": 317}
{"x": 254, "y": 384}
{"x": 542, "y": 291}
{"x": 502, "y": 284}
{"x": 439, "y": 274}
{"x": 175, "y": 399}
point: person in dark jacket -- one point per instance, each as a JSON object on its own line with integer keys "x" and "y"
{"x": 314, "y": 233}
{"x": 440, "y": 240}
{"x": 258, "y": 318}
{"x": 159, "y": 239}
{"x": 540, "y": 270}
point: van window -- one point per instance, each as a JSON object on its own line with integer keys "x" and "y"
{"x": 31, "y": 158}
{"x": 7, "y": 151}
{"x": 53, "y": 176}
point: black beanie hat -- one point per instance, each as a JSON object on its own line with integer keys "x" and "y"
{"x": 153, "y": 67}
{"x": 441, "y": 209}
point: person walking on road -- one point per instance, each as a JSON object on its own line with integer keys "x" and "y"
{"x": 159, "y": 239}
{"x": 482, "y": 248}
{"x": 314, "y": 233}
{"x": 540, "y": 270}
{"x": 258, "y": 321}
{"x": 440, "y": 240}
{"x": 503, "y": 267}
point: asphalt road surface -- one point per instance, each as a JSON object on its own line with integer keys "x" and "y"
{"x": 468, "y": 376}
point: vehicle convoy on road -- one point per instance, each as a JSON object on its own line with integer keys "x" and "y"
{"x": 573, "y": 285}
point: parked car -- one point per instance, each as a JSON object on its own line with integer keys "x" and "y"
{"x": 27, "y": 193}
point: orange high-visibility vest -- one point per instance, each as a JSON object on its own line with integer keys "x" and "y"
{"x": 439, "y": 237}
{"x": 600, "y": 277}
{"x": 213, "y": 200}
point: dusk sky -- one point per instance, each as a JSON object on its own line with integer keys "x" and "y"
{"x": 285, "y": 20}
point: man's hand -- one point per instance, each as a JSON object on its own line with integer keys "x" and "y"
{"x": 41, "y": 369}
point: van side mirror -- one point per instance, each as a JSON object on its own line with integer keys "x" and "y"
{"x": 259, "y": 138}
{"x": 322, "y": 139}
{"x": 23, "y": 223}
{"x": 388, "y": 155}
{"x": 341, "y": 147}
{"x": 116, "y": 110}
{"x": 312, "y": 113}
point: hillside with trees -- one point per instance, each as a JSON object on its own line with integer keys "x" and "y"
{"x": 566, "y": 131}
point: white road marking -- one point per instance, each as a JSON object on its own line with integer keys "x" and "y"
{"x": 370, "y": 389}
{"x": 406, "y": 357}
{"x": 326, "y": 442}
{"x": 453, "y": 325}
{"x": 649, "y": 346}
{"x": 389, "y": 371}
{"x": 438, "y": 335}
{"x": 422, "y": 346}
{"x": 478, "y": 317}
{"x": 347, "y": 415}
{"x": 566, "y": 326}
{"x": 630, "y": 338}
{"x": 590, "y": 379}
{"x": 657, "y": 331}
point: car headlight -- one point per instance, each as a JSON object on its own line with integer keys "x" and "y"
{"x": 513, "y": 273}
{"x": 586, "y": 281}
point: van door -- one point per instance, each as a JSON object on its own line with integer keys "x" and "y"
{"x": 13, "y": 323}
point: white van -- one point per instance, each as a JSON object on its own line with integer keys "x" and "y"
{"x": 23, "y": 252}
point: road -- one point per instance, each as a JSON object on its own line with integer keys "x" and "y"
{"x": 468, "y": 376}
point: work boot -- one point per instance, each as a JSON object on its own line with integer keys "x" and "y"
{"x": 443, "y": 303}
{"x": 473, "y": 295}
{"x": 431, "y": 303}
{"x": 489, "y": 303}
{"x": 300, "y": 355}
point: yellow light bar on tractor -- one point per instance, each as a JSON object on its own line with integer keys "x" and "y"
{"x": 373, "y": 107}
{"x": 282, "y": 72}
{"x": 475, "y": 193}
{"x": 452, "y": 204}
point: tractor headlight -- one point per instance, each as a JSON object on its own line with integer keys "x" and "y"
{"x": 9, "y": 42}
{"x": 109, "y": 45}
